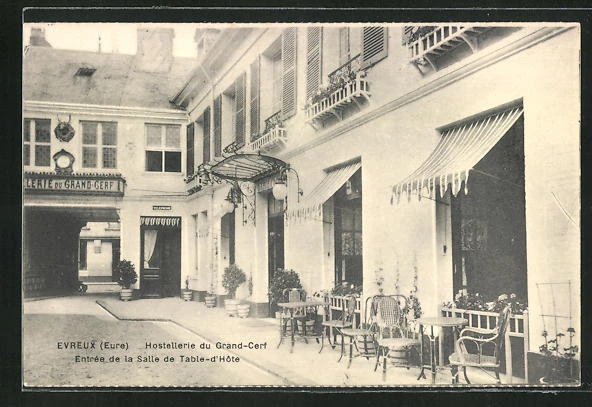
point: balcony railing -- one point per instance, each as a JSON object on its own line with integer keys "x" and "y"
{"x": 347, "y": 84}
{"x": 518, "y": 327}
{"x": 441, "y": 40}
{"x": 274, "y": 136}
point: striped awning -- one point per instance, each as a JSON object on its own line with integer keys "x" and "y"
{"x": 312, "y": 205}
{"x": 459, "y": 150}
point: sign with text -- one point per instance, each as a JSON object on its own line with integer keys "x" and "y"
{"x": 97, "y": 185}
{"x": 161, "y": 207}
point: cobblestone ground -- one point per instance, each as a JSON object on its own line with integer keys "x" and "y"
{"x": 49, "y": 327}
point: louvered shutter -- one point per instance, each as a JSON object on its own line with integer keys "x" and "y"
{"x": 190, "y": 149}
{"x": 240, "y": 116}
{"x": 218, "y": 126}
{"x": 314, "y": 43}
{"x": 344, "y": 47}
{"x": 374, "y": 45}
{"x": 255, "y": 89}
{"x": 289, "y": 72}
{"x": 407, "y": 31}
{"x": 206, "y": 136}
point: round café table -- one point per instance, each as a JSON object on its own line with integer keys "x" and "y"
{"x": 442, "y": 322}
{"x": 292, "y": 307}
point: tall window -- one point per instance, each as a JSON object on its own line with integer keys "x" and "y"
{"x": 314, "y": 41}
{"x": 349, "y": 43}
{"x": 99, "y": 144}
{"x": 206, "y": 135}
{"x": 190, "y": 148}
{"x": 163, "y": 148}
{"x": 37, "y": 138}
{"x": 374, "y": 45}
{"x": 218, "y": 126}
{"x": 254, "y": 106}
{"x": 276, "y": 86}
{"x": 240, "y": 114}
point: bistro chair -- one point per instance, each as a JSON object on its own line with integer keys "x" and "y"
{"x": 362, "y": 338}
{"x": 393, "y": 337}
{"x": 336, "y": 325}
{"x": 484, "y": 350}
{"x": 294, "y": 295}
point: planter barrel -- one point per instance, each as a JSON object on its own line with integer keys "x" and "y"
{"x": 210, "y": 301}
{"x": 243, "y": 310}
{"x": 187, "y": 295}
{"x": 231, "y": 306}
{"x": 126, "y": 294}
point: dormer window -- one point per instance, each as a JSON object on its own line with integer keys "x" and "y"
{"x": 85, "y": 70}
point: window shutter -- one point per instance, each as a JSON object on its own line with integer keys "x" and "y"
{"x": 407, "y": 31}
{"x": 374, "y": 45}
{"x": 289, "y": 72}
{"x": 314, "y": 43}
{"x": 190, "y": 149}
{"x": 218, "y": 126}
{"x": 255, "y": 89}
{"x": 240, "y": 91}
{"x": 206, "y": 136}
{"x": 344, "y": 47}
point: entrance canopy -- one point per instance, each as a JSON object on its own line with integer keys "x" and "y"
{"x": 247, "y": 167}
{"x": 312, "y": 205}
{"x": 459, "y": 150}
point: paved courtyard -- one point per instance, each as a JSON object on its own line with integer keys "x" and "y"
{"x": 152, "y": 330}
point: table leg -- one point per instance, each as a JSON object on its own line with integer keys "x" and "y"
{"x": 281, "y": 331}
{"x": 292, "y": 322}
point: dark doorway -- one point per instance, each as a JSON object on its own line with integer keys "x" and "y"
{"x": 348, "y": 231}
{"x": 489, "y": 223}
{"x": 275, "y": 236}
{"x": 161, "y": 253}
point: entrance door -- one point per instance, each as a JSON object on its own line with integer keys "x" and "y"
{"x": 161, "y": 253}
{"x": 348, "y": 231}
{"x": 275, "y": 237}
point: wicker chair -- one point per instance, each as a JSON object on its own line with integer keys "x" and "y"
{"x": 484, "y": 350}
{"x": 362, "y": 338}
{"x": 393, "y": 337}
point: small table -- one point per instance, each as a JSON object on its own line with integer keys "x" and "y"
{"x": 291, "y": 307}
{"x": 453, "y": 322}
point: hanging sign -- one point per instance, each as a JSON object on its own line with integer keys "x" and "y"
{"x": 78, "y": 184}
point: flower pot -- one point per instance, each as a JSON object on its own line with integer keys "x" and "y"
{"x": 126, "y": 294}
{"x": 210, "y": 301}
{"x": 230, "y": 306}
{"x": 242, "y": 310}
{"x": 187, "y": 295}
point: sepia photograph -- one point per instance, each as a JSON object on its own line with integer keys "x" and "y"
{"x": 312, "y": 205}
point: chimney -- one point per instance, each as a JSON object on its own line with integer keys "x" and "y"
{"x": 205, "y": 38}
{"x": 155, "y": 49}
{"x": 38, "y": 37}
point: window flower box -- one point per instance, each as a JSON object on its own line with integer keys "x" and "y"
{"x": 274, "y": 136}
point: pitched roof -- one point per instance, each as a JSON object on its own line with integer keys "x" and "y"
{"x": 49, "y": 75}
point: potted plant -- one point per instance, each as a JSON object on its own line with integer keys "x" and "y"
{"x": 560, "y": 368}
{"x": 186, "y": 293}
{"x": 127, "y": 277}
{"x": 243, "y": 308}
{"x": 210, "y": 298}
{"x": 280, "y": 284}
{"x": 233, "y": 277}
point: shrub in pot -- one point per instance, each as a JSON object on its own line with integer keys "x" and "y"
{"x": 280, "y": 285}
{"x": 233, "y": 277}
{"x": 127, "y": 277}
{"x": 186, "y": 293}
{"x": 243, "y": 308}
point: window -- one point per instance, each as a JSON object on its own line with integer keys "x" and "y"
{"x": 163, "y": 148}
{"x": 39, "y": 144}
{"x": 349, "y": 43}
{"x": 314, "y": 41}
{"x": 82, "y": 255}
{"x": 289, "y": 72}
{"x": 99, "y": 139}
{"x": 218, "y": 126}
{"x": 374, "y": 45}
{"x": 206, "y": 135}
{"x": 190, "y": 148}
{"x": 240, "y": 116}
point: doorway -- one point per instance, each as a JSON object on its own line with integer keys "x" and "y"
{"x": 275, "y": 237}
{"x": 160, "y": 274}
{"x": 348, "y": 231}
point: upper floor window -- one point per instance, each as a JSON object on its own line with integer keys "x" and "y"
{"x": 163, "y": 148}
{"x": 190, "y": 148}
{"x": 99, "y": 144}
{"x": 374, "y": 45}
{"x": 37, "y": 138}
{"x": 289, "y": 84}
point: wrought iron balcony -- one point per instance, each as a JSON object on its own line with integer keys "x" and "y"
{"x": 274, "y": 136}
{"x": 198, "y": 180}
{"x": 347, "y": 84}
{"x": 427, "y": 43}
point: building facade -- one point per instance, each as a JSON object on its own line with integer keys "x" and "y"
{"x": 438, "y": 159}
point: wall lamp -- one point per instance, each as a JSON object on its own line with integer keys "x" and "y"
{"x": 280, "y": 188}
